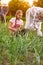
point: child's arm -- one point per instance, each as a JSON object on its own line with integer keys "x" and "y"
{"x": 10, "y": 26}
{"x": 21, "y": 26}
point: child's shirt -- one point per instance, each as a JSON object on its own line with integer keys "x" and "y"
{"x": 18, "y": 24}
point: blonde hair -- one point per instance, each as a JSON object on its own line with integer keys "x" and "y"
{"x": 19, "y": 11}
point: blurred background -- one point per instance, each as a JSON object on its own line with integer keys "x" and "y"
{"x": 14, "y": 5}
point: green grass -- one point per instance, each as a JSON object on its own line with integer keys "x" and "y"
{"x": 20, "y": 50}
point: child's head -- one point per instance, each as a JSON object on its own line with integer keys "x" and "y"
{"x": 19, "y": 14}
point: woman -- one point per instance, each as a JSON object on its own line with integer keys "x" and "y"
{"x": 34, "y": 17}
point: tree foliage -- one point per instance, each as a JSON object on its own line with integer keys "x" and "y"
{"x": 15, "y": 5}
{"x": 38, "y": 3}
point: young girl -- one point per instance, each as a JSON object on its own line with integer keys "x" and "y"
{"x": 16, "y": 23}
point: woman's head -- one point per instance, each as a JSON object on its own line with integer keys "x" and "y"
{"x": 19, "y": 14}
{"x": 41, "y": 15}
